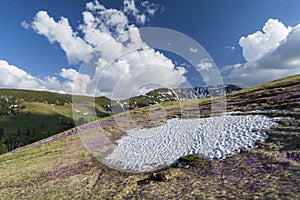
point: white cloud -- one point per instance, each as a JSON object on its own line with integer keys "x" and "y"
{"x": 107, "y": 37}
{"x": 258, "y": 44}
{"x": 75, "y": 48}
{"x": 13, "y": 77}
{"x": 20, "y": 79}
{"x": 237, "y": 65}
{"x": 205, "y": 65}
{"x": 93, "y": 6}
{"x": 25, "y": 25}
{"x": 129, "y": 7}
{"x": 149, "y": 9}
{"x": 77, "y": 82}
{"x": 138, "y": 69}
{"x": 193, "y": 50}
{"x": 270, "y": 55}
{"x": 51, "y": 83}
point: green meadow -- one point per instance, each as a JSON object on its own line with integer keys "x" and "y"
{"x": 64, "y": 169}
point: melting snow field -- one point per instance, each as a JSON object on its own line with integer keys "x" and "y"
{"x": 216, "y": 137}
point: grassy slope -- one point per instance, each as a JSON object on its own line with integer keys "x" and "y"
{"x": 63, "y": 169}
{"x": 41, "y": 112}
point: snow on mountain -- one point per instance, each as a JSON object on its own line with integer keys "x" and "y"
{"x": 165, "y": 94}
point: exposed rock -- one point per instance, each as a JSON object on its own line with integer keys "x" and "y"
{"x": 159, "y": 176}
{"x": 143, "y": 182}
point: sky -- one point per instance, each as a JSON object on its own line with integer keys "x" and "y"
{"x": 99, "y": 48}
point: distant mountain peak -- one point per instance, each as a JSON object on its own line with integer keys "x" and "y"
{"x": 165, "y": 94}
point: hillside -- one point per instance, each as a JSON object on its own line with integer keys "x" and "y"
{"x": 29, "y": 116}
{"x": 61, "y": 168}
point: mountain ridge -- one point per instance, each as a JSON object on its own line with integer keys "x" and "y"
{"x": 161, "y": 95}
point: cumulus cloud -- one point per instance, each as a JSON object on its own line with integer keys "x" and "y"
{"x": 270, "y": 54}
{"x": 260, "y": 43}
{"x": 75, "y": 48}
{"x": 149, "y": 9}
{"x": 94, "y": 6}
{"x": 204, "y": 65}
{"x": 119, "y": 62}
{"x": 16, "y": 77}
{"x": 139, "y": 71}
{"x": 77, "y": 82}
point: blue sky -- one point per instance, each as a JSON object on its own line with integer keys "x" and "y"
{"x": 30, "y": 60}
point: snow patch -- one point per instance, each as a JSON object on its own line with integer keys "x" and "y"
{"x": 217, "y": 137}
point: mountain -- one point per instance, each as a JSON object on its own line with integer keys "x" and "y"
{"x": 205, "y": 91}
{"x": 60, "y": 167}
{"x": 164, "y": 95}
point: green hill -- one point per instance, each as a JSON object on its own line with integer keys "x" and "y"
{"x": 28, "y": 116}
{"x": 60, "y": 167}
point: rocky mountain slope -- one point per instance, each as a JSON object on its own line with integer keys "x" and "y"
{"x": 165, "y": 94}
